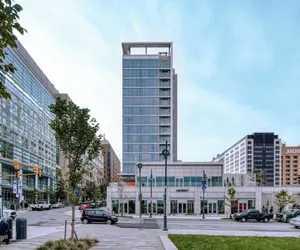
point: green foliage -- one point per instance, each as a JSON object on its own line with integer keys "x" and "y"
{"x": 93, "y": 192}
{"x": 9, "y": 22}
{"x": 230, "y": 197}
{"x": 283, "y": 198}
{"x": 196, "y": 242}
{"x": 76, "y": 134}
{"x": 81, "y": 244}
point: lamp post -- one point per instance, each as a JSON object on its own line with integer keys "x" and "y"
{"x": 151, "y": 209}
{"x": 204, "y": 186}
{"x": 140, "y": 165}
{"x": 165, "y": 153}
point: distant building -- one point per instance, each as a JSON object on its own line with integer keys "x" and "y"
{"x": 290, "y": 162}
{"x": 112, "y": 164}
{"x": 254, "y": 153}
{"x": 149, "y": 103}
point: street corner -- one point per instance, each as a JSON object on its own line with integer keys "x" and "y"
{"x": 167, "y": 243}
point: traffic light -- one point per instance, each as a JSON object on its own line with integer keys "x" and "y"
{"x": 35, "y": 169}
{"x": 40, "y": 172}
{"x": 18, "y": 174}
{"x": 17, "y": 164}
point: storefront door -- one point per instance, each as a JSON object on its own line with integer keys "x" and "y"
{"x": 182, "y": 208}
{"x": 242, "y": 206}
{"x": 212, "y": 208}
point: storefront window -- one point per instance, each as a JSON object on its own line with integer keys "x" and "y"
{"x": 173, "y": 206}
{"x": 187, "y": 181}
{"x": 196, "y": 181}
{"x": 251, "y": 204}
{"x": 144, "y": 181}
{"x": 144, "y": 207}
{"x": 115, "y": 206}
{"x": 171, "y": 181}
{"x": 216, "y": 181}
{"x": 160, "y": 206}
{"x": 190, "y": 207}
{"x": 221, "y": 206}
{"x": 132, "y": 207}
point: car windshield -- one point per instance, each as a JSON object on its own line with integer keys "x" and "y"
{"x": 103, "y": 211}
{"x": 40, "y": 202}
{"x": 289, "y": 211}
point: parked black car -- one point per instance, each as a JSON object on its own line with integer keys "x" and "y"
{"x": 252, "y": 214}
{"x": 279, "y": 216}
{"x": 290, "y": 215}
{"x": 97, "y": 215}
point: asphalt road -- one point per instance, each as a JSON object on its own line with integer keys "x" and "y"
{"x": 52, "y": 217}
{"x": 226, "y": 225}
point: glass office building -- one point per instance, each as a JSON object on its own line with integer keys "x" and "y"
{"x": 149, "y": 104}
{"x": 24, "y": 126}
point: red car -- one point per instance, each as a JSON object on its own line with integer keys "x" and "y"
{"x": 85, "y": 205}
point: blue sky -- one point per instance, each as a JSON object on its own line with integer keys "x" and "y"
{"x": 238, "y": 62}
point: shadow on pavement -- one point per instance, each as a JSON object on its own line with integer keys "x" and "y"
{"x": 148, "y": 224}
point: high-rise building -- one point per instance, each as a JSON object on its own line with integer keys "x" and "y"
{"x": 112, "y": 164}
{"x": 256, "y": 153}
{"x": 290, "y": 162}
{"x": 149, "y": 103}
{"x": 24, "y": 128}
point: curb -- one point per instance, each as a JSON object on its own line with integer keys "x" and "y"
{"x": 167, "y": 243}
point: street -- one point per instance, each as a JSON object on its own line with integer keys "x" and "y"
{"x": 52, "y": 217}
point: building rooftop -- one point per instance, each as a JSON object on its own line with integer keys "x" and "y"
{"x": 128, "y": 46}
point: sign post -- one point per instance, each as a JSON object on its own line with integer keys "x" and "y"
{"x": 204, "y": 187}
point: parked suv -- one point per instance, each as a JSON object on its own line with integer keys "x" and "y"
{"x": 287, "y": 217}
{"x": 97, "y": 215}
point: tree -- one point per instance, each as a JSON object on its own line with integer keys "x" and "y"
{"x": 60, "y": 191}
{"x": 9, "y": 22}
{"x": 76, "y": 134}
{"x": 230, "y": 198}
{"x": 103, "y": 191}
{"x": 282, "y": 199}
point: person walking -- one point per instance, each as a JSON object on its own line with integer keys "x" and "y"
{"x": 4, "y": 230}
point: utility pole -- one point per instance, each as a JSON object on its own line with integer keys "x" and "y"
{"x": 165, "y": 153}
{"x": 140, "y": 165}
{"x": 151, "y": 179}
{"x": 204, "y": 187}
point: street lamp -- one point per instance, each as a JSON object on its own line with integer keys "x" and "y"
{"x": 140, "y": 165}
{"x": 151, "y": 208}
{"x": 204, "y": 187}
{"x": 165, "y": 153}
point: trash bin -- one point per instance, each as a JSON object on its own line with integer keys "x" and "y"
{"x": 10, "y": 227}
{"x": 21, "y": 228}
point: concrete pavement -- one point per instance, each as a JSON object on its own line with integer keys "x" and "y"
{"x": 110, "y": 237}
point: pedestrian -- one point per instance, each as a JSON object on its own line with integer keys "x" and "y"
{"x": 4, "y": 230}
{"x": 271, "y": 210}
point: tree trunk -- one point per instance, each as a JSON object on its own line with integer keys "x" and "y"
{"x": 73, "y": 222}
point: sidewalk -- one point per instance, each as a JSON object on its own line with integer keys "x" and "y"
{"x": 198, "y": 217}
{"x": 110, "y": 237}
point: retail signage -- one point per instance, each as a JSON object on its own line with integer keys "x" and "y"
{"x": 182, "y": 190}
{"x": 15, "y": 187}
{"x": 293, "y": 151}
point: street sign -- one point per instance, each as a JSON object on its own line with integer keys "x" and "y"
{"x": 204, "y": 185}
{"x": 76, "y": 192}
{"x": 15, "y": 187}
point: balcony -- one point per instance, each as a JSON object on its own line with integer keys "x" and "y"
{"x": 165, "y": 102}
{"x": 164, "y": 93}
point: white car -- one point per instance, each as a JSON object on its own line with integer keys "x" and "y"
{"x": 295, "y": 222}
{"x": 9, "y": 213}
{"x": 58, "y": 205}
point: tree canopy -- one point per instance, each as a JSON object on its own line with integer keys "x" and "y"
{"x": 9, "y": 22}
{"x": 283, "y": 198}
{"x": 76, "y": 134}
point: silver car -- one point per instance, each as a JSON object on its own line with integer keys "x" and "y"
{"x": 295, "y": 222}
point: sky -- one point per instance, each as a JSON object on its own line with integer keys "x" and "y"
{"x": 238, "y": 63}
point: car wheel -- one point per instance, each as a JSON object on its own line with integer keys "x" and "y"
{"x": 41, "y": 208}
{"x": 266, "y": 219}
{"x": 296, "y": 227}
{"x": 243, "y": 219}
{"x": 33, "y": 209}
{"x": 288, "y": 220}
{"x": 109, "y": 222}
{"x": 85, "y": 221}
{"x": 258, "y": 220}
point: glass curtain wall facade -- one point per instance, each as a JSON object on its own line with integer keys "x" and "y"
{"x": 24, "y": 123}
{"x": 148, "y": 111}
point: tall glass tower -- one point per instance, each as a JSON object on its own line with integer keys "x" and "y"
{"x": 149, "y": 103}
